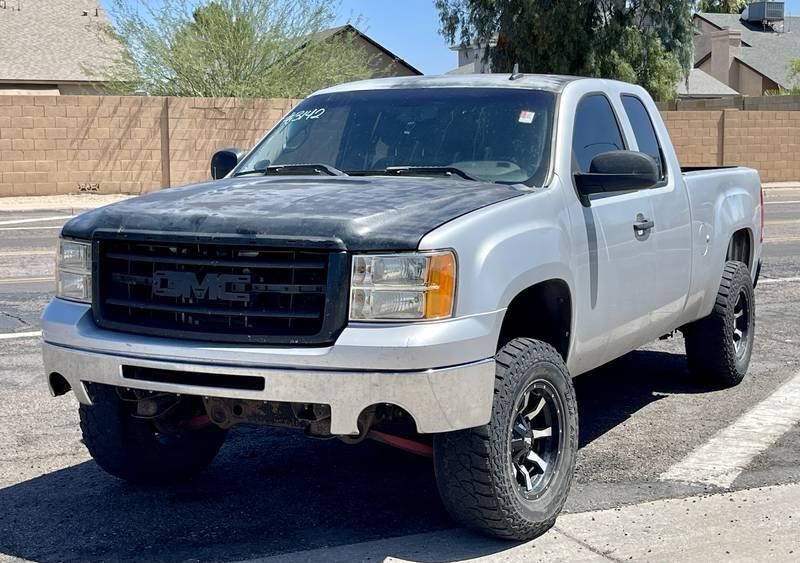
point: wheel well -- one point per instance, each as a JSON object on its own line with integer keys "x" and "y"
{"x": 542, "y": 311}
{"x": 739, "y": 247}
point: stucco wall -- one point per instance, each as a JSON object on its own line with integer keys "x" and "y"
{"x": 750, "y": 82}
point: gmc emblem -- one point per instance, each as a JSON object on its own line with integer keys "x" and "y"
{"x": 213, "y": 287}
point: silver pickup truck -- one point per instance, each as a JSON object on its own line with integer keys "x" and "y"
{"x": 422, "y": 261}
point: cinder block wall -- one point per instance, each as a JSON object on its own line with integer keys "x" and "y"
{"x": 110, "y": 144}
{"x": 695, "y": 135}
{"x": 60, "y": 144}
{"x": 200, "y": 126}
{"x": 768, "y": 141}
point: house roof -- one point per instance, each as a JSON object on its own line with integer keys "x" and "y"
{"x": 53, "y": 41}
{"x": 347, "y": 28}
{"x": 766, "y": 52}
{"x": 702, "y": 85}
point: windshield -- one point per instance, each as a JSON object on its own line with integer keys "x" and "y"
{"x": 492, "y": 134}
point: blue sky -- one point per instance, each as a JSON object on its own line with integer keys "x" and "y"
{"x": 408, "y": 28}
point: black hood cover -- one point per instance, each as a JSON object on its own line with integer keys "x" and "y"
{"x": 353, "y": 213}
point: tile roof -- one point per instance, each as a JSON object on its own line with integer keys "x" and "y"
{"x": 52, "y": 41}
{"x": 767, "y": 52}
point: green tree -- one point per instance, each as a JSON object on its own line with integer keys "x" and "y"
{"x": 794, "y": 71}
{"x": 794, "y": 80}
{"x": 644, "y": 41}
{"x": 239, "y": 48}
{"x": 721, "y": 6}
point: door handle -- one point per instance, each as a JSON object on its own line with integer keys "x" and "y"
{"x": 643, "y": 224}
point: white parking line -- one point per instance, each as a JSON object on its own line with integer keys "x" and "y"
{"x": 11, "y": 253}
{"x": 778, "y": 280}
{"x": 16, "y": 335}
{"x": 720, "y": 460}
{"x": 6, "y": 281}
{"x": 36, "y": 220}
{"x": 780, "y": 202}
{"x": 30, "y": 228}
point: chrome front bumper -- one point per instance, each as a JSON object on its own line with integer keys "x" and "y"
{"x": 441, "y": 373}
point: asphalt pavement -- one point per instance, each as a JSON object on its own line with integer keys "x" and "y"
{"x": 273, "y": 493}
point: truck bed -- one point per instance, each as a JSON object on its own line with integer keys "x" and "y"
{"x": 687, "y": 169}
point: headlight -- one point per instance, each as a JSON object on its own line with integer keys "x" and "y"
{"x": 74, "y": 271}
{"x": 402, "y": 287}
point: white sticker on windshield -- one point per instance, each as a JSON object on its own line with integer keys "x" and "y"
{"x": 526, "y": 116}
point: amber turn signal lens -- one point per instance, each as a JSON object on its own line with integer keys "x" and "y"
{"x": 441, "y": 283}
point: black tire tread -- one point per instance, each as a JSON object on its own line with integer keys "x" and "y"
{"x": 474, "y": 495}
{"x": 119, "y": 446}
{"x": 709, "y": 349}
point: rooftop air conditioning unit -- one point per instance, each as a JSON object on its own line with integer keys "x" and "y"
{"x": 763, "y": 12}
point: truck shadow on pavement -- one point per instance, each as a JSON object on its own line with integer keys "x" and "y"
{"x": 610, "y": 395}
{"x": 274, "y": 492}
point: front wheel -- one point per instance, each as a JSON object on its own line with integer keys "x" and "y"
{"x": 139, "y": 450}
{"x": 510, "y": 478}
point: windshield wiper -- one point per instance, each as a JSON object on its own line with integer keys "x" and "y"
{"x": 279, "y": 169}
{"x": 426, "y": 170}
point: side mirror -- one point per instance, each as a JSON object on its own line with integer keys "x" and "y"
{"x": 617, "y": 171}
{"x": 224, "y": 161}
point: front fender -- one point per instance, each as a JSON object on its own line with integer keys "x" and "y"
{"x": 507, "y": 247}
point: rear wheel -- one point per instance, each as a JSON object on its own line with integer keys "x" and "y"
{"x": 143, "y": 450}
{"x": 510, "y": 478}
{"x": 718, "y": 347}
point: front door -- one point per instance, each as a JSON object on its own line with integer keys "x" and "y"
{"x": 615, "y": 256}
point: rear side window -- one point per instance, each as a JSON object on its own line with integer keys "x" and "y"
{"x": 643, "y": 130}
{"x": 596, "y": 131}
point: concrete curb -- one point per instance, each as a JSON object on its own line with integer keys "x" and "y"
{"x": 748, "y": 525}
{"x": 65, "y": 203}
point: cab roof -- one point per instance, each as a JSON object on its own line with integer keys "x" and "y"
{"x": 547, "y": 82}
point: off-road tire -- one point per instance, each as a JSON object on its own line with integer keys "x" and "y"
{"x": 132, "y": 449}
{"x": 710, "y": 348}
{"x": 473, "y": 467}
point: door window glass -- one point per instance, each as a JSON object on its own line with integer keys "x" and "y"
{"x": 596, "y": 130}
{"x": 643, "y": 130}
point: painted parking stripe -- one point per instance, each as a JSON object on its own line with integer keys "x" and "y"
{"x": 37, "y": 220}
{"x": 50, "y": 252}
{"x": 778, "y": 280}
{"x": 719, "y": 461}
{"x": 783, "y": 221}
{"x": 7, "y": 281}
{"x": 777, "y": 202}
{"x": 18, "y": 335}
{"x": 31, "y": 228}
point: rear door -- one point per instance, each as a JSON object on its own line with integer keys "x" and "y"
{"x": 671, "y": 235}
{"x": 615, "y": 263}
